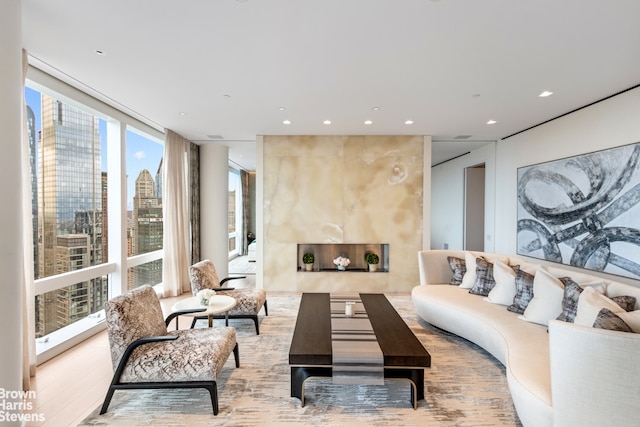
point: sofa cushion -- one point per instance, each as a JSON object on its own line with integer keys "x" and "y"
{"x": 546, "y": 303}
{"x": 484, "y": 278}
{"x": 625, "y": 301}
{"x": 458, "y": 267}
{"x": 505, "y": 288}
{"x": 572, "y": 291}
{"x": 631, "y": 318}
{"x": 607, "y": 319}
{"x": 589, "y": 305}
{"x": 469, "y": 278}
{"x": 470, "y": 257}
{"x": 524, "y": 291}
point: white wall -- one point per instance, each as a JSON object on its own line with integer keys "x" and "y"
{"x": 447, "y": 199}
{"x": 10, "y": 194}
{"x": 214, "y": 205}
{"x": 607, "y": 124}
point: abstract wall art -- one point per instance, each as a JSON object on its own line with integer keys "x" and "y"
{"x": 583, "y": 211}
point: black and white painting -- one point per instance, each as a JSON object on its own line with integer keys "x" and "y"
{"x": 583, "y": 211}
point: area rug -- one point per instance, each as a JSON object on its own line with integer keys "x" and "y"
{"x": 465, "y": 386}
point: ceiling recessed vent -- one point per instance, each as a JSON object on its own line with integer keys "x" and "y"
{"x": 462, "y": 137}
{"x": 215, "y": 137}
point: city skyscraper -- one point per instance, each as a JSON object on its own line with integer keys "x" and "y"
{"x": 69, "y": 213}
{"x": 147, "y": 230}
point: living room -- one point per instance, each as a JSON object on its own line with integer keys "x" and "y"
{"x": 402, "y": 198}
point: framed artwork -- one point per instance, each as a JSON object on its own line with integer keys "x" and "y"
{"x": 583, "y": 211}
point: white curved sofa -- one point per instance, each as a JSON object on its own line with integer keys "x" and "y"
{"x": 585, "y": 377}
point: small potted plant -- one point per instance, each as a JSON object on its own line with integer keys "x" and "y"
{"x": 373, "y": 260}
{"x": 307, "y": 260}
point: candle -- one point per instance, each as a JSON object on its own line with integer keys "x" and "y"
{"x": 348, "y": 309}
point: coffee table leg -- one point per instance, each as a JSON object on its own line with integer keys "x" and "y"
{"x": 416, "y": 376}
{"x": 299, "y": 374}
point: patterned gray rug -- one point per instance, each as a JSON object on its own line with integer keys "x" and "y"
{"x": 465, "y": 386}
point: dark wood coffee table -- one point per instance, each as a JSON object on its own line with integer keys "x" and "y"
{"x": 310, "y": 354}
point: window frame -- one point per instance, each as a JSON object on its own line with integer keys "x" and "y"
{"x": 118, "y": 263}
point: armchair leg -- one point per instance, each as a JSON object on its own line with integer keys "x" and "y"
{"x": 266, "y": 311}
{"x": 107, "y": 400}
{"x": 213, "y": 391}
{"x": 255, "y": 320}
{"x": 193, "y": 323}
{"x": 236, "y": 355}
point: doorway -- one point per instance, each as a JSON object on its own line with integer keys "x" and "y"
{"x": 474, "y": 207}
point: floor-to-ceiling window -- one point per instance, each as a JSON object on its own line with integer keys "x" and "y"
{"x": 144, "y": 207}
{"x": 76, "y": 248}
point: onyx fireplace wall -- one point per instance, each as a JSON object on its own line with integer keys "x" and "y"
{"x": 347, "y": 190}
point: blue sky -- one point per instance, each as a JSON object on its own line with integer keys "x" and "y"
{"x": 141, "y": 153}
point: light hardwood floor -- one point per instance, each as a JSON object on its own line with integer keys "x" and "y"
{"x": 70, "y": 386}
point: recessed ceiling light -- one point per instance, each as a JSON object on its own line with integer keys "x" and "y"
{"x": 368, "y": 122}
{"x": 408, "y": 122}
{"x": 475, "y": 95}
{"x": 227, "y": 96}
{"x": 281, "y": 108}
{"x": 545, "y": 94}
{"x": 376, "y": 108}
{"x": 327, "y": 122}
{"x": 100, "y": 52}
{"x": 182, "y": 113}
{"x": 491, "y": 122}
{"x": 286, "y": 122}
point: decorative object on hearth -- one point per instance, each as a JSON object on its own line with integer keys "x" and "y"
{"x": 307, "y": 260}
{"x": 372, "y": 260}
{"x": 342, "y": 263}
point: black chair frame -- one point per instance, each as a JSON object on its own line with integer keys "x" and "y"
{"x": 234, "y": 316}
{"x": 210, "y": 386}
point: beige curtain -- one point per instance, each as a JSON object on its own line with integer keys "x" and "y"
{"x": 175, "y": 187}
{"x": 28, "y": 296}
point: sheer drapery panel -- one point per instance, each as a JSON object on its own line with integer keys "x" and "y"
{"x": 175, "y": 268}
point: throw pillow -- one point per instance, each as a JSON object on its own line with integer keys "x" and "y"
{"x": 458, "y": 267}
{"x": 470, "y": 276}
{"x": 625, "y": 301}
{"x": 631, "y": 318}
{"x": 505, "y": 288}
{"x": 484, "y": 278}
{"x": 546, "y": 303}
{"x": 589, "y": 305}
{"x": 524, "y": 292}
{"x": 607, "y": 319}
{"x": 572, "y": 291}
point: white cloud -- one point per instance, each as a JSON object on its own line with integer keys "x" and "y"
{"x": 140, "y": 155}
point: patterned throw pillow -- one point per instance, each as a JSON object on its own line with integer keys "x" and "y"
{"x": 572, "y": 292}
{"x": 524, "y": 292}
{"x": 484, "y": 278}
{"x": 625, "y": 301}
{"x": 607, "y": 319}
{"x": 458, "y": 267}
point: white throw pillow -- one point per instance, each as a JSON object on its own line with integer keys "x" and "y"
{"x": 589, "y": 305}
{"x": 632, "y": 319}
{"x": 505, "y": 288}
{"x": 469, "y": 277}
{"x": 546, "y": 304}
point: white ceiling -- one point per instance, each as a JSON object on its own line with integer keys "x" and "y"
{"x": 448, "y": 65}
